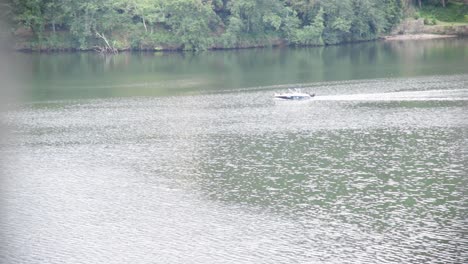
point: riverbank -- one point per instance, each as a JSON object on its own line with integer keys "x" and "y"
{"x": 26, "y": 47}
{"x": 411, "y": 26}
{"x": 195, "y": 25}
{"x": 416, "y": 37}
{"x": 417, "y": 29}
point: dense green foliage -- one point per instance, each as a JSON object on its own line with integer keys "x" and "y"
{"x": 201, "y": 24}
{"x": 454, "y": 11}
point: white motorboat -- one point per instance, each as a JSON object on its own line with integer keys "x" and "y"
{"x": 295, "y": 94}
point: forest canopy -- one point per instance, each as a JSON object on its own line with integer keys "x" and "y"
{"x": 199, "y": 24}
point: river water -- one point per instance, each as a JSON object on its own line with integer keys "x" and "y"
{"x": 186, "y": 158}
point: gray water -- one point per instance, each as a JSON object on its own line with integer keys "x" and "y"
{"x": 372, "y": 170}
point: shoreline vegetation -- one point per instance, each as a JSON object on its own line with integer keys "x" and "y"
{"x": 110, "y": 26}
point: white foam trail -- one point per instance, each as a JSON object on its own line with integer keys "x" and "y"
{"x": 430, "y": 95}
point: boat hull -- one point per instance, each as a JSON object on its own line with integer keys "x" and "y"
{"x": 292, "y": 97}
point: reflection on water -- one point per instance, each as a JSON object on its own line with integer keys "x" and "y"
{"x": 372, "y": 171}
{"x": 85, "y": 75}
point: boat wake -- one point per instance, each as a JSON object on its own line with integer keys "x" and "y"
{"x": 429, "y": 95}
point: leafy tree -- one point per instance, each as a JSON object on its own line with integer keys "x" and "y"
{"x": 311, "y": 34}
{"x": 204, "y": 24}
{"x": 291, "y": 24}
{"x": 338, "y": 19}
{"x": 368, "y": 20}
{"x": 392, "y": 12}
{"x": 189, "y": 21}
{"x": 29, "y": 13}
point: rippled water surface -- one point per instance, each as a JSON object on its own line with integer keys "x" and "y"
{"x": 370, "y": 171}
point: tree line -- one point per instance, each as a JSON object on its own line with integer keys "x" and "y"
{"x": 201, "y": 24}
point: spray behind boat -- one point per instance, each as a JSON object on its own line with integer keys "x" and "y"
{"x": 294, "y": 94}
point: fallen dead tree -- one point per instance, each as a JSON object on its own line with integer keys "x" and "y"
{"x": 107, "y": 48}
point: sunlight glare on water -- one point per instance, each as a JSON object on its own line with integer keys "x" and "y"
{"x": 237, "y": 177}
